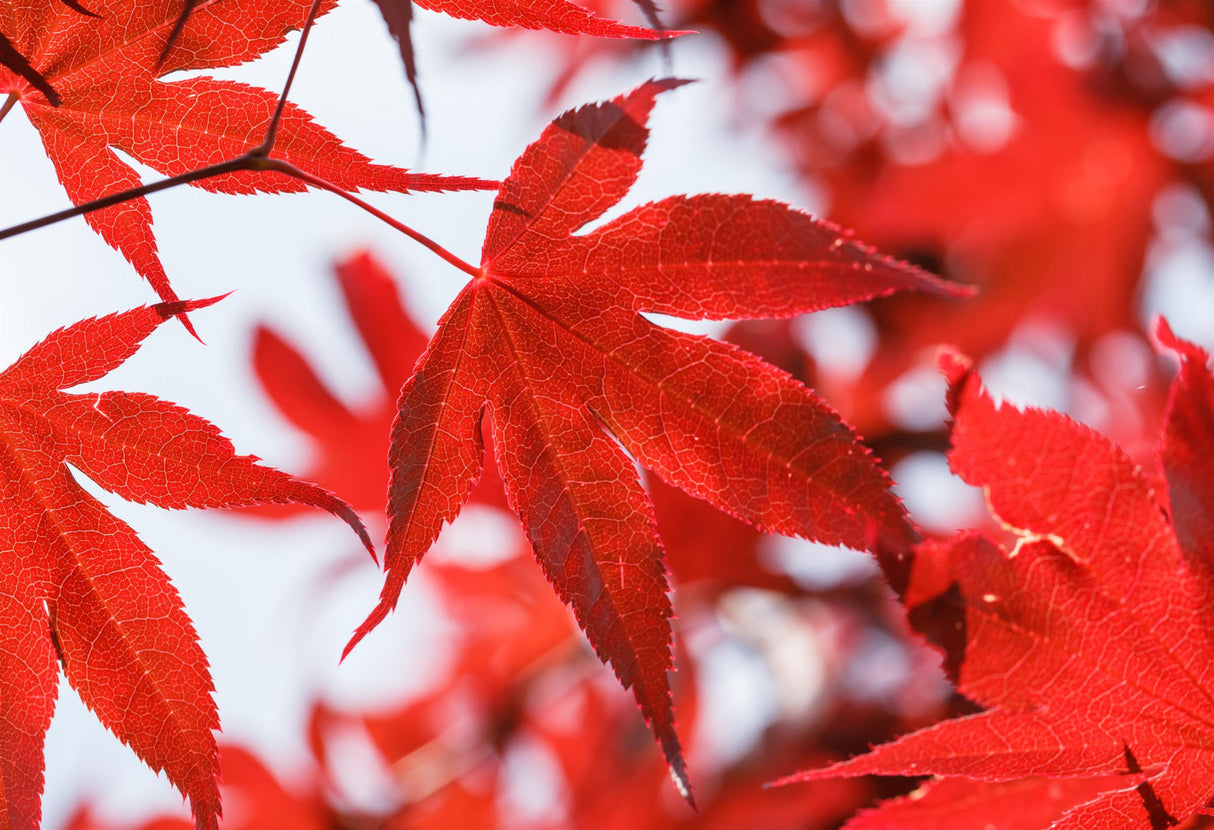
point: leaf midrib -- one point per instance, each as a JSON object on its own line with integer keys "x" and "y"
{"x": 556, "y": 460}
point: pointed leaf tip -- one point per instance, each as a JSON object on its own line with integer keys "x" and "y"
{"x": 956, "y": 368}
{"x": 1187, "y": 350}
{"x": 1164, "y": 333}
{"x": 682, "y": 781}
{"x": 174, "y": 308}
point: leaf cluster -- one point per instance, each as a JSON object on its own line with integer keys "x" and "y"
{"x": 1074, "y": 624}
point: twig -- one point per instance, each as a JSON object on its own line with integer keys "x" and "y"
{"x": 293, "y": 171}
{"x": 239, "y": 163}
{"x": 255, "y": 159}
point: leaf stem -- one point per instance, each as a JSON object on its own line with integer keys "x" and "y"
{"x": 9, "y": 103}
{"x": 293, "y": 171}
{"x": 267, "y": 143}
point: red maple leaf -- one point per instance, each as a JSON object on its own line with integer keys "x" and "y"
{"x": 78, "y": 583}
{"x": 548, "y": 339}
{"x": 106, "y": 71}
{"x": 1089, "y": 643}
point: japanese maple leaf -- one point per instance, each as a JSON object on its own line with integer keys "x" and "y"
{"x": 1090, "y": 643}
{"x": 547, "y": 338}
{"x": 107, "y": 74}
{"x": 78, "y": 587}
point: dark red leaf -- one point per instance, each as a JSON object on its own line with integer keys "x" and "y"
{"x": 398, "y": 15}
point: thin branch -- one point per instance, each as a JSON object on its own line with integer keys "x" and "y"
{"x": 231, "y": 166}
{"x": 248, "y": 161}
{"x": 267, "y": 143}
{"x": 175, "y": 35}
{"x": 293, "y": 171}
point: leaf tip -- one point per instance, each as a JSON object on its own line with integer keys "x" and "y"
{"x": 666, "y": 84}
{"x": 181, "y": 309}
{"x": 1164, "y": 333}
{"x": 956, "y": 368}
{"x": 1185, "y": 349}
{"x": 373, "y": 619}
{"x": 678, "y": 770}
{"x": 173, "y": 308}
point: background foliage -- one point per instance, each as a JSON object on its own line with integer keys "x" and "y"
{"x": 1060, "y": 156}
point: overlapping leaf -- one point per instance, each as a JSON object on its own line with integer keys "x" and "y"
{"x": 554, "y": 15}
{"x": 548, "y": 339}
{"x": 1089, "y": 643}
{"x": 106, "y": 71}
{"x": 77, "y": 583}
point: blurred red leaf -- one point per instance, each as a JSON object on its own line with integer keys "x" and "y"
{"x": 262, "y": 801}
{"x": 351, "y": 445}
{"x": 1051, "y": 217}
